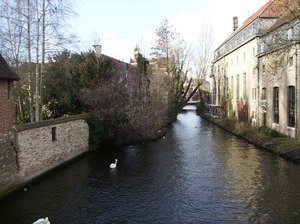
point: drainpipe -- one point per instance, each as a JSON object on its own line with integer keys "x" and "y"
{"x": 258, "y": 84}
{"x": 296, "y": 89}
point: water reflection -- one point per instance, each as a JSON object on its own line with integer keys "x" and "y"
{"x": 197, "y": 174}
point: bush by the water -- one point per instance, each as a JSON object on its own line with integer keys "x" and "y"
{"x": 268, "y": 131}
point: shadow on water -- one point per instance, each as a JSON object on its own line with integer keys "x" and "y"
{"x": 198, "y": 173}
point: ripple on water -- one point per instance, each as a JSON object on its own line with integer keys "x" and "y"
{"x": 197, "y": 174}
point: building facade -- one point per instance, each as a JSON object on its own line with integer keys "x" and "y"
{"x": 250, "y": 83}
{"x": 8, "y": 151}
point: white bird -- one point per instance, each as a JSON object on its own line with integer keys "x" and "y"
{"x": 113, "y": 165}
{"x": 42, "y": 221}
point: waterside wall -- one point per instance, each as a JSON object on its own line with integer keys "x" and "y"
{"x": 40, "y": 147}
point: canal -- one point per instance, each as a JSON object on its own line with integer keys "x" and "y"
{"x": 198, "y": 173}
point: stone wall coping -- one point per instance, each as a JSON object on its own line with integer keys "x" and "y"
{"x": 27, "y": 126}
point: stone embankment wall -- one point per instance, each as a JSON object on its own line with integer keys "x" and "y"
{"x": 42, "y": 146}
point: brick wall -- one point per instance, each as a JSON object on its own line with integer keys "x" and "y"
{"x": 7, "y": 108}
{"x": 29, "y": 150}
{"x": 41, "y": 146}
{"x": 45, "y": 147}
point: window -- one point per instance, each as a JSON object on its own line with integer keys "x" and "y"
{"x": 244, "y": 86}
{"x": 290, "y": 34}
{"x": 276, "y": 104}
{"x": 262, "y": 47}
{"x": 276, "y": 66}
{"x": 253, "y": 71}
{"x": 263, "y": 68}
{"x": 227, "y": 93}
{"x": 244, "y": 57}
{"x": 263, "y": 94}
{"x": 292, "y": 106}
{"x": 291, "y": 61}
{"x": 253, "y": 52}
{"x": 232, "y": 84}
{"x": 53, "y": 133}
{"x": 237, "y": 87}
{"x": 254, "y": 94}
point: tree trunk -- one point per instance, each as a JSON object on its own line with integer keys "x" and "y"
{"x": 190, "y": 96}
{"x": 37, "y": 75}
{"x": 29, "y": 72}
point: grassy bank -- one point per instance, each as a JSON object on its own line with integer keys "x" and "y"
{"x": 262, "y": 137}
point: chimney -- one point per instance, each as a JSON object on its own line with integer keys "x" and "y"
{"x": 235, "y": 23}
{"x": 97, "y": 50}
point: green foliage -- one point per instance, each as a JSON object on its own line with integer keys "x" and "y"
{"x": 66, "y": 75}
{"x": 199, "y": 108}
{"x": 96, "y": 130}
{"x": 268, "y": 131}
{"x": 142, "y": 65}
{"x": 176, "y": 95}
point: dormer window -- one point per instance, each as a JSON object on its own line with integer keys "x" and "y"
{"x": 290, "y": 34}
{"x": 262, "y": 47}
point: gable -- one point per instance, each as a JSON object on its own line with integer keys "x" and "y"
{"x": 6, "y": 72}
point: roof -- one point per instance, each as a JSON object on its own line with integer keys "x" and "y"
{"x": 6, "y": 72}
{"x": 272, "y": 9}
{"x": 290, "y": 11}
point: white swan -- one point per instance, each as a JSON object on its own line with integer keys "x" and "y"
{"x": 42, "y": 221}
{"x": 114, "y": 165}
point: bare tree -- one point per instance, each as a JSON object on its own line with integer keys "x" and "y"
{"x": 13, "y": 46}
{"x": 204, "y": 53}
{"x": 29, "y": 71}
{"x": 282, "y": 38}
{"x": 38, "y": 22}
{"x": 173, "y": 56}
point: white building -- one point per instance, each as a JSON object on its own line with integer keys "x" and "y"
{"x": 243, "y": 87}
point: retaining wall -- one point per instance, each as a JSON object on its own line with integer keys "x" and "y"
{"x": 42, "y": 146}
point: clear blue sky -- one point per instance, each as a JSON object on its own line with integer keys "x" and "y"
{"x": 119, "y": 25}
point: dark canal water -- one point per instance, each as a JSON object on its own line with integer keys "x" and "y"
{"x": 198, "y": 173}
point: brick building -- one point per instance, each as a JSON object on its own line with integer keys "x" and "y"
{"x": 8, "y": 160}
